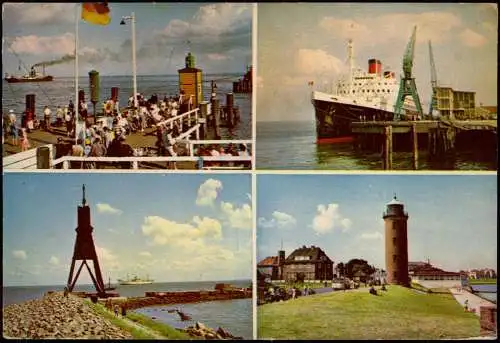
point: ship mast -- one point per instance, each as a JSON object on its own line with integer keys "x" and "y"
{"x": 350, "y": 57}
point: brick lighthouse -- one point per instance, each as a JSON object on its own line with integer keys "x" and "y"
{"x": 396, "y": 243}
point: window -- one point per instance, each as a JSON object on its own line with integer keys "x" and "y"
{"x": 395, "y": 275}
{"x": 393, "y": 240}
{"x": 394, "y": 258}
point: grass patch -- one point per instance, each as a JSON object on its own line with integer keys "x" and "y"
{"x": 164, "y": 330}
{"x": 136, "y": 333}
{"x": 400, "y": 313}
{"x": 419, "y": 287}
{"x": 482, "y": 281}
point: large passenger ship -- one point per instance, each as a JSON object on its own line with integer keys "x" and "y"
{"x": 360, "y": 95}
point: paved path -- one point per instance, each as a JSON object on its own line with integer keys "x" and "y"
{"x": 475, "y": 302}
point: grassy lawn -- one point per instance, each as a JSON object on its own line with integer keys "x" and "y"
{"x": 136, "y": 333}
{"x": 482, "y": 281}
{"x": 161, "y": 329}
{"x": 399, "y": 313}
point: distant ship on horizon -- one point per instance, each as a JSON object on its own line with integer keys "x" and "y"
{"x": 135, "y": 281}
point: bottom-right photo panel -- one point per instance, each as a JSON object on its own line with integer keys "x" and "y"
{"x": 376, "y": 256}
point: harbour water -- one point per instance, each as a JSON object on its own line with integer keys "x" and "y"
{"x": 486, "y": 291}
{"x": 233, "y": 315}
{"x": 62, "y": 89}
{"x": 292, "y": 145}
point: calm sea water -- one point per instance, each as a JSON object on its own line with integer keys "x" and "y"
{"x": 234, "y": 315}
{"x": 486, "y": 291}
{"x": 62, "y": 89}
{"x": 292, "y": 145}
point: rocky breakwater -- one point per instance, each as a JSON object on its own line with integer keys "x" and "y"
{"x": 57, "y": 316}
{"x": 199, "y": 330}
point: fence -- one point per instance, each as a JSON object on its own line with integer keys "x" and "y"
{"x": 29, "y": 159}
{"x": 65, "y": 160}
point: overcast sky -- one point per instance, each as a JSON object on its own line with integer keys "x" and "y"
{"x": 452, "y": 219}
{"x": 298, "y": 43}
{"x": 171, "y": 227}
{"x": 219, "y": 35}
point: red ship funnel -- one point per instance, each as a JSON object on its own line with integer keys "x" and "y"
{"x": 374, "y": 66}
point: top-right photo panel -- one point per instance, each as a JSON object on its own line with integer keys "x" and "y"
{"x": 360, "y": 86}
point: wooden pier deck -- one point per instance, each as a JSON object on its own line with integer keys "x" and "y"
{"x": 422, "y": 126}
{"x": 441, "y": 136}
{"x": 146, "y": 139}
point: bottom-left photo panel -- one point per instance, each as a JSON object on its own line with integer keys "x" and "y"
{"x": 127, "y": 255}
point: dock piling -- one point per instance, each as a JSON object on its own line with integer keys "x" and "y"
{"x": 229, "y": 109}
{"x": 43, "y": 158}
{"x": 388, "y": 148}
{"x": 216, "y": 114}
{"x": 203, "y": 119}
{"x": 415, "y": 145}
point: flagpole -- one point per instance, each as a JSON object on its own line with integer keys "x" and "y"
{"x": 76, "y": 72}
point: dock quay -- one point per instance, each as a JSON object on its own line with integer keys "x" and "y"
{"x": 439, "y": 137}
{"x": 169, "y": 298}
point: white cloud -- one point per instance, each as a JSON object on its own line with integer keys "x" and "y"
{"x": 328, "y": 218}
{"x": 207, "y": 193}
{"x": 145, "y": 254}
{"x": 238, "y": 218}
{"x": 437, "y": 26}
{"x": 278, "y": 220}
{"x": 210, "y": 20}
{"x": 315, "y": 61}
{"x": 472, "y": 39}
{"x": 168, "y": 232}
{"x": 41, "y": 14}
{"x": 107, "y": 259}
{"x": 32, "y": 44}
{"x": 371, "y": 235}
{"x": 107, "y": 208}
{"x": 54, "y": 261}
{"x": 217, "y": 57}
{"x": 20, "y": 254}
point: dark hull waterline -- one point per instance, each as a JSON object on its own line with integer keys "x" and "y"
{"x": 23, "y": 80}
{"x": 333, "y": 120}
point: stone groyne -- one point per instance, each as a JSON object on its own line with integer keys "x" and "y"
{"x": 165, "y": 298}
{"x": 57, "y": 316}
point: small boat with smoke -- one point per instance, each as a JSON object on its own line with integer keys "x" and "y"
{"x": 32, "y": 76}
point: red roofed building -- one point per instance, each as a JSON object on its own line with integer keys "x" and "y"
{"x": 425, "y": 271}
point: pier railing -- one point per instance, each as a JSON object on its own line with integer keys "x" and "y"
{"x": 189, "y": 115}
{"x": 233, "y": 162}
{"x": 25, "y": 160}
{"x": 192, "y": 143}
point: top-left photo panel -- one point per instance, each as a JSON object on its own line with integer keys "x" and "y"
{"x": 127, "y": 86}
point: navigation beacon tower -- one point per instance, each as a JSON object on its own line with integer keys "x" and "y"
{"x": 396, "y": 243}
{"x": 85, "y": 250}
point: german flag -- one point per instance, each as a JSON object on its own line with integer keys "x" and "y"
{"x": 96, "y": 13}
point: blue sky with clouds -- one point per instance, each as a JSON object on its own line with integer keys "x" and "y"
{"x": 452, "y": 219}
{"x": 219, "y": 35}
{"x": 298, "y": 43}
{"x": 171, "y": 227}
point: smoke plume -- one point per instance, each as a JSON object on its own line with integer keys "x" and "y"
{"x": 65, "y": 59}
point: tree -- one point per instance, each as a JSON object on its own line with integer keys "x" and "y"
{"x": 355, "y": 265}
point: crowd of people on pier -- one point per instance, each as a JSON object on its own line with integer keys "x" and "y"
{"x": 105, "y": 136}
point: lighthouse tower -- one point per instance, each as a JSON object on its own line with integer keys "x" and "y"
{"x": 396, "y": 243}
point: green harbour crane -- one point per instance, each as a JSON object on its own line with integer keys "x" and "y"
{"x": 433, "y": 103}
{"x": 407, "y": 85}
